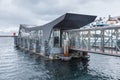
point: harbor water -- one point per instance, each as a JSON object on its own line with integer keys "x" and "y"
{"x": 16, "y": 64}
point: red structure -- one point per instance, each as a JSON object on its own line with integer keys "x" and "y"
{"x": 14, "y": 34}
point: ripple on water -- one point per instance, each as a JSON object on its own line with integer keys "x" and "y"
{"x": 19, "y": 65}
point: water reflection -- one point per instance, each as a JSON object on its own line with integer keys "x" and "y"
{"x": 57, "y": 69}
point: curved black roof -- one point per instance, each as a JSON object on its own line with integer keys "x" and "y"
{"x": 65, "y": 22}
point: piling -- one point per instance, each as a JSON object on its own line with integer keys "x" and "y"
{"x": 25, "y": 43}
{"x": 85, "y": 55}
{"x": 46, "y": 48}
{"x": 15, "y": 39}
{"x": 30, "y": 44}
{"x": 37, "y": 46}
{"x": 66, "y": 54}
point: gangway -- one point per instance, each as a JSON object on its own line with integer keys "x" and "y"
{"x": 103, "y": 40}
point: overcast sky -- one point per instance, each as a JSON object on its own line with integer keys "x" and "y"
{"x": 38, "y": 12}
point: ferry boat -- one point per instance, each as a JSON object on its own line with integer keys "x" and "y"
{"x": 49, "y": 39}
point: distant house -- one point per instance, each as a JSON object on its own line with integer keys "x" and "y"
{"x": 113, "y": 20}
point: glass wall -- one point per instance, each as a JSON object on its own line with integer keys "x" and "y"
{"x": 55, "y": 38}
{"x": 56, "y": 35}
{"x": 40, "y": 36}
{"x": 24, "y": 33}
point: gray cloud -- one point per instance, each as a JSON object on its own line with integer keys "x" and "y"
{"x": 15, "y": 12}
{"x": 44, "y": 7}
